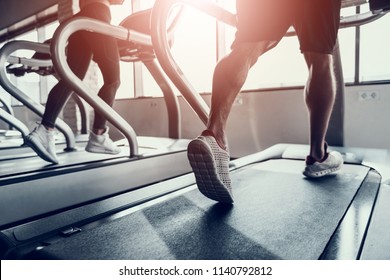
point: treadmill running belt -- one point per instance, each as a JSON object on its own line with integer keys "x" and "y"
{"x": 277, "y": 214}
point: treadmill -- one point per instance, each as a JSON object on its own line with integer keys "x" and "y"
{"x": 277, "y": 214}
{"x": 41, "y": 64}
{"x": 31, "y": 188}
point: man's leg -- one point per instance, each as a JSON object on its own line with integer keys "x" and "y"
{"x": 320, "y": 92}
{"x": 208, "y": 154}
{"x": 229, "y": 76}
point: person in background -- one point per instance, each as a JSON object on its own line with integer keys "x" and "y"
{"x": 83, "y": 47}
{"x": 261, "y": 24}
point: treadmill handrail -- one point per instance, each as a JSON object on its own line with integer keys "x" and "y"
{"x": 9, "y": 118}
{"x": 30, "y": 62}
{"x": 159, "y": 20}
{"x": 360, "y": 19}
{"x": 7, "y": 107}
{"x": 58, "y": 45}
{"x": 133, "y": 52}
{"x": 353, "y": 20}
{"x": 30, "y": 103}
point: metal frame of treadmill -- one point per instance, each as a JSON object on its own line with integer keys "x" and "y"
{"x": 61, "y": 37}
{"x": 59, "y": 40}
{"x": 37, "y": 108}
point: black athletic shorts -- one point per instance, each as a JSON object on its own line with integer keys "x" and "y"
{"x": 315, "y": 21}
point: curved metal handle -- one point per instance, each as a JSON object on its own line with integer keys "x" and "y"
{"x": 160, "y": 13}
{"x": 61, "y": 37}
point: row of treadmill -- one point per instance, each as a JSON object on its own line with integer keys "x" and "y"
{"x": 144, "y": 203}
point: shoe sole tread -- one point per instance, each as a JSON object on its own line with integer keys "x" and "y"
{"x": 203, "y": 164}
{"x": 318, "y": 174}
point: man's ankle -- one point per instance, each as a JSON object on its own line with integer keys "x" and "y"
{"x": 220, "y": 143}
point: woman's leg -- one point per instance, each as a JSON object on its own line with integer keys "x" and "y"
{"x": 41, "y": 139}
{"x": 106, "y": 55}
{"x": 78, "y": 57}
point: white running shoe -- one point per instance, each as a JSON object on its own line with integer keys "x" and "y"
{"x": 101, "y": 144}
{"x": 315, "y": 169}
{"x": 210, "y": 164}
{"x": 42, "y": 142}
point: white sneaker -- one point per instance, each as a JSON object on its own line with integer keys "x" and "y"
{"x": 42, "y": 142}
{"x": 315, "y": 169}
{"x": 101, "y": 144}
{"x": 210, "y": 164}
